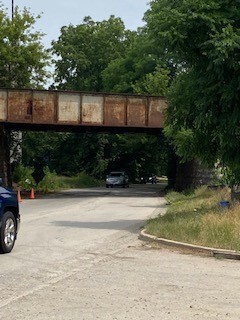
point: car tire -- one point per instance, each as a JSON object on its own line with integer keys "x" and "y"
{"x": 8, "y": 232}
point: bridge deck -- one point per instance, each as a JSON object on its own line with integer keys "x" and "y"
{"x": 44, "y": 108}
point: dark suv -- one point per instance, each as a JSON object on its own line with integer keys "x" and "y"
{"x": 9, "y": 218}
{"x": 148, "y": 177}
{"x": 117, "y": 178}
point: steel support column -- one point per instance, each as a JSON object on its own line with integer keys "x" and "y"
{"x": 5, "y": 167}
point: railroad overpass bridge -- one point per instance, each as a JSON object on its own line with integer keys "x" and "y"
{"x": 27, "y": 109}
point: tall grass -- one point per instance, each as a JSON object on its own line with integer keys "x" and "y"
{"x": 24, "y": 180}
{"x": 52, "y": 182}
{"x": 81, "y": 180}
{"x": 197, "y": 218}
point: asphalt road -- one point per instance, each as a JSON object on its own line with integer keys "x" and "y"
{"x": 78, "y": 257}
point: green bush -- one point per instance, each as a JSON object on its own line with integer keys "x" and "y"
{"x": 22, "y": 176}
{"x": 49, "y": 181}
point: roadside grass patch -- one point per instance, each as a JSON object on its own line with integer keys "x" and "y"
{"x": 196, "y": 217}
{"x": 52, "y": 182}
{"x": 81, "y": 180}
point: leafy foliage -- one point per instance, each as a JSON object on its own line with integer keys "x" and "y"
{"x": 96, "y": 154}
{"x": 156, "y": 83}
{"x": 22, "y": 175}
{"x": 141, "y": 70}
{"x": 85, "y": 50}
{"x": 203, "y": 40}
{"x": 49, "y": 181}
{"x": 38, "y": 151}
{"x": 23, "y": 57}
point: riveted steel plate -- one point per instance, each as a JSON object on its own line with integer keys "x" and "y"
{"x": 157, "y": 108}
{"x": 44, "y": 107}
{"x": 136, "y": 111}
{"x": 73, "y": 108}
{"x": 115, "y": 111}
{"x": 92, "y": 109}
{"x": 68, "y": 108}
{"x": 20, "y": 106}
{"x": 3, "y": 105}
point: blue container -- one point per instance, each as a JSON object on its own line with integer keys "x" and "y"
{"x": 224, "y": 204}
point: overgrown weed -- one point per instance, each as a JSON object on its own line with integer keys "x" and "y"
{"x": 197, "y": 218}
{"x": 81, "y": 180}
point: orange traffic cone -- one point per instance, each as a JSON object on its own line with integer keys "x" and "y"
{"x": 32, "y": 196}
{"x": 19, "y": 196}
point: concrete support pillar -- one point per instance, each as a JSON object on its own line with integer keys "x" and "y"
{"x": 192, "y": 174}
{"x": 5, "y": 167}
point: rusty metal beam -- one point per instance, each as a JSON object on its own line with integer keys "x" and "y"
{"x": 70, "y": 110}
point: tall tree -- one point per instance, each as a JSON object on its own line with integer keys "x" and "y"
{"x": 203, "y": 39}
{"x": 23, "y": 58}
{"x": 141, "y": 70}
{"x": 138, "y": 153}
{"x": 85, "y": 50}
{"x": 39, "y": 150}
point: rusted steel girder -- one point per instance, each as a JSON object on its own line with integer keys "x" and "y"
{"x": 41, "y": 110}
{"x": 44, "y": 108}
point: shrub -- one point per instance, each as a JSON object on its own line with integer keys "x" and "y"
{"x": 22, "y": 176}
{"x": 81, "y": 180}
{"x": 49, "y": 181}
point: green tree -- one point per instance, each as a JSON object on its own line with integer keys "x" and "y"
{"x": 156, "y": 83}
{"x": 85, "y": 50}
{"x": 66, "y": 153}
{"x": 203, "y": 40}
{"x": 82, "y": 152}
{"x": 23, "y": 58}
{"x": 39, "y": 150}
{"x": 138, "y": 153}
{"x": 141, "y": 70}
{"x": 87, "y": 59}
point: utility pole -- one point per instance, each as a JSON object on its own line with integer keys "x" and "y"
{"x": 12, "y": 9}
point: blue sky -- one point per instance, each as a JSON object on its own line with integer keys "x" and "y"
{"x": 58, "y": 13}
